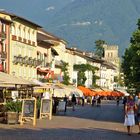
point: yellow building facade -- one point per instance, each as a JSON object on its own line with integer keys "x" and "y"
{"x": 23, "y": 44}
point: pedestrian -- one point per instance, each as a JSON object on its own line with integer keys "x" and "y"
{"x": 73, "y": 100}
{"x": 83, "y": 100}
{"x": 93, "y": 100}
{"x": 124, "y": 101}
{"x": 130, "y": 108}
{"x": 99, "y": 101}
{"x": 118, "y": 100}
{"x": 65, "y": 100}
{"x": 138, "y": 112}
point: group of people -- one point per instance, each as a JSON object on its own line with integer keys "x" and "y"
{"x": 73, "y": 101}
{"x": 96, "y": 100}
{"x": 132, "y": 113}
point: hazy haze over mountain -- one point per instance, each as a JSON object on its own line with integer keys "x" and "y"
{"x": 82, "y": 22}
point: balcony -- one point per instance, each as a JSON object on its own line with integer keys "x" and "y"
{"x": 48, "y": 64}
{"x": 2, "y": 36}
{"x": 30, "y": 61}
{"x": 39, "y": 62}
{"x": 24, "y": 40}
{"x": 3, "y": 55}
{"x": 14, "y": 37}
{"x": 33, "y": 43}
{"x": 29, "y": 42}
{"x": 20, "y": 58}
{"x": 15, "y": 60}
{"x": 34, "y": 62}
{"x": 19, "y": 39}
{"x": 24, "y": 59}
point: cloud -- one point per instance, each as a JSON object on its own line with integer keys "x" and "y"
{"x": 50, "y": 8}
{"x": 62, "y": 25}
{"x": 98, "y": 22}
{"x": 84, "y": 23}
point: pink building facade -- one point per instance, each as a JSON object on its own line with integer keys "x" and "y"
{"x": 4, "y": 45}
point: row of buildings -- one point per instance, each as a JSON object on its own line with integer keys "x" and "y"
{"x": 30, "y": 52}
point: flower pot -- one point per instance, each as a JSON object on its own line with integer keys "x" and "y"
{"x": 12, "y": 118}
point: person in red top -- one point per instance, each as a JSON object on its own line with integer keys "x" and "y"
{"x": 130, "y": 108}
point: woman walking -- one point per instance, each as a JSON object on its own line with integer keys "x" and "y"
{"x": 130, "y": 108}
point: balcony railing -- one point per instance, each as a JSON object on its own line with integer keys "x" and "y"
{"x": 14, "y": 37}
{"x": 27, "y": 61}
{"x": 3, "y": 55}
{"x": 2, "y": 36}
{"x": 15, "y": 60}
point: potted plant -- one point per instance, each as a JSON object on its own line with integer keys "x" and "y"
{"x": 13, "y": 108}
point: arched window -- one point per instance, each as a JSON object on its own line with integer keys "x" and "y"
{"x": 13, "y": 30}
{"x": 29, "y": 34}
{"x": 24, "y": 32}
{"x": 19, "y": 31}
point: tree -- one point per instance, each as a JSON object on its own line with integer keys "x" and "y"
{"x": 81, "y": 68}
{"x": 99, "y": 48}
{"x": 131, "y": 61}
{"x": 64, "y": 69}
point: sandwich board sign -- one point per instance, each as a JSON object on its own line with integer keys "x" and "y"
{"x": 28, "y": 110}
{"x": 46, "y": 108}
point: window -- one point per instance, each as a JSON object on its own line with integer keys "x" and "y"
{"x": 28, "y": 35}
{"x": 4, "y": 47}
{"x": 3, "y": 27}
{"x": 4, "y": 65}
{"x": 24, "y": 33}
{"x": 13, "y": 30}
{"x": 19, "y": 29}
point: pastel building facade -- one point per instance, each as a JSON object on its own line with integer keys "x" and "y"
{"x": 52, "y": 50}
{"x": 23, "y": 44}
{"x": 5, "y": 23}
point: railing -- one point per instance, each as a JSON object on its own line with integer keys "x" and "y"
{"x": 2, "y": 36}
{"x": 3, "y": 55}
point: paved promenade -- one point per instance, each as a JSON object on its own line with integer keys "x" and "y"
{"x": 86, "y": 123}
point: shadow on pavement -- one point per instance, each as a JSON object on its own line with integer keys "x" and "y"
{"x": 63, "y": 134}
{"x": 108, "y": 112}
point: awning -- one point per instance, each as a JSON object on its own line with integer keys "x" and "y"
{"x": 54, "y": 51}
{"x": 10, "y": 79}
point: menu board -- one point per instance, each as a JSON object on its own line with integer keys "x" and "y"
{"x": 28, "y": 108}
{"x": 45, "y": 107}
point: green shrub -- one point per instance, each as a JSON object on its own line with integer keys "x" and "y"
{"x": 14, "y": 106}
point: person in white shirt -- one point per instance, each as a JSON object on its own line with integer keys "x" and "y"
{"x": 46, "y": 95}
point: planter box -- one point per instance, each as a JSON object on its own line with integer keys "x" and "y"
{"x": 12, "y": 117}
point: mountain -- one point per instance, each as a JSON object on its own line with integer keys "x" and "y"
{"x": 82, "y": 22}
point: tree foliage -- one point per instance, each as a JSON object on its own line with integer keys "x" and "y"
{"x": 131, "y": 61}
{"x": 99, "y": 48}
{"x": 64, "y": 69}
{"x": 81, "y": 68}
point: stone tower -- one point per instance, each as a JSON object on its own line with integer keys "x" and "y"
{"x": 111, "y": 54}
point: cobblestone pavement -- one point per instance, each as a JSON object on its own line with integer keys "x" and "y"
{"x": 90, "y": 123}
